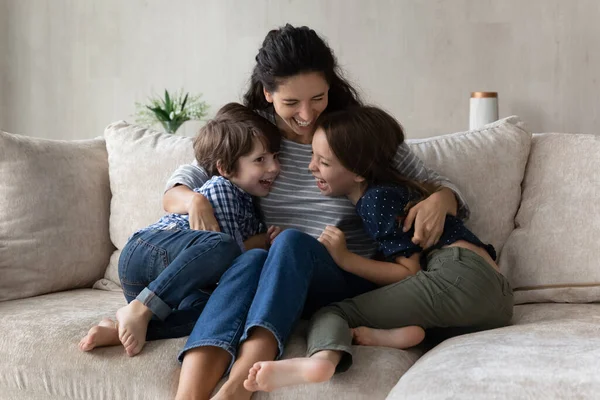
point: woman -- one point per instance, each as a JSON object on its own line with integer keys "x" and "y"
{"x": 295, "y": 79}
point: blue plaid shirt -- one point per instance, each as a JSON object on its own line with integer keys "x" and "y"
{"x": 234, "y": 210}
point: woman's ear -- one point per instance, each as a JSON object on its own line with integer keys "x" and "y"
{"x": 268, "y": 96}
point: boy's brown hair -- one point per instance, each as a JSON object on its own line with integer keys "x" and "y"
{"x": 229, "y": 135}
{"x": 365, "y": 140}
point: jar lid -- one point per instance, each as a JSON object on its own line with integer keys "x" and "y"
{"x": 479, "y": 95}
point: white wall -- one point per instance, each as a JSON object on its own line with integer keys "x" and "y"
{"x": 70, "y": 67}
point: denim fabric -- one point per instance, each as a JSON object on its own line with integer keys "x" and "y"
{"x": 222, "y": 322}
{"x": 172, "y": 272}
{"x": 297, "y": 270}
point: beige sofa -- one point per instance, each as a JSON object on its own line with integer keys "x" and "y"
{"x": 66, "y": 208}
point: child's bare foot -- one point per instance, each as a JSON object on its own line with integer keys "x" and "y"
{"x": 400, "y": 338}
{"x": 271, "y": 375}
{"x": 232, "y": 392}
{"x": 103, "y": 334}
{"x": 132, "y": 323}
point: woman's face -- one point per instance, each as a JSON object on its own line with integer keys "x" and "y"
{"x": 298, "y": 102}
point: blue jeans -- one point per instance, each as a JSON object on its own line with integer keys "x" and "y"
{"x": 298, "y": 277}
{"x": 172, "y": 272}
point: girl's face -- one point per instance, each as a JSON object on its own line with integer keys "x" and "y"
{"x": 256, "y": 171}
{"x": 298, "y": 102}
{"x": 333, "y": 179}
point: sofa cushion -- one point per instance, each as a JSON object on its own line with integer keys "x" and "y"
{"x": 551, "y": 352}
{"x": 54, "y": 210}
{"x": 488, "y": 166}
{"x": 40, "y": 358}
{"x": 140, "y": 161}
{"x": 552, "y": 255}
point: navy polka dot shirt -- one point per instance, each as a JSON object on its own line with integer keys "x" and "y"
{"x": 382, "y": 211}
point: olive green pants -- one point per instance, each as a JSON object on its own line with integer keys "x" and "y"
{"x": 459, "y": 289}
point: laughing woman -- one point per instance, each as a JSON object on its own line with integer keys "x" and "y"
{"x": 294, "y": 81}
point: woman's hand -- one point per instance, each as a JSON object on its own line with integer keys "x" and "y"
{"x": 272, "y": 233}
{"x": 335, "y": 242}
{"x": 429, "y": 217}
{"x": 201, "y": 213}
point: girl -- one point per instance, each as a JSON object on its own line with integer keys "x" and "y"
{"x": 460, "y": 285}
{"x": 295, "y": 80}
{"x": 167, "y": 268}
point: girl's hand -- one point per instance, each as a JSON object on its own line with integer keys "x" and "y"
{"x": 201, "y": 213}
{"x": 429, "y": 217}
{"x": 335, "y": 242}
{"x": 272, "y": 233}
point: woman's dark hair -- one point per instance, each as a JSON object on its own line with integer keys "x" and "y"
{"x": 229, "y": 135}
{"x": 365, "y": 140}
{"x": 290, "y": 51}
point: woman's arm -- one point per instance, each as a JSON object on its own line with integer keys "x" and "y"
{"x": 411, "y": 166}
{"x": 429, "y": 215}
{"x": 181, "y": 199}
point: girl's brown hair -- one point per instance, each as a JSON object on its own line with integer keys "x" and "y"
{"x": 229, "y": 135}
{"x": 365, "y": 140}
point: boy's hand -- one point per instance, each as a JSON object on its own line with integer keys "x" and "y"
{"x": 335, "y": 242}
{"x": 272, "y": 233}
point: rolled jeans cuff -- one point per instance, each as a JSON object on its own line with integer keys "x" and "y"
{"x": 154, "y": 303}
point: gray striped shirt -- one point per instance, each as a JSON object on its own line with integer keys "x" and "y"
{"x": 296, "y": 202}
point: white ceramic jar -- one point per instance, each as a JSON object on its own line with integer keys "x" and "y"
{"x": 483, "y": 109}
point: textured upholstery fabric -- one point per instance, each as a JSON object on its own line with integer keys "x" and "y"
{"x": 54, "y": 210}
{"x": 140, "y": 162}
{"x": 487, "y": 165}
{"x": 551, "y": 352}
{"x": 553, "y": 253}
{"x": 40, "y": 358}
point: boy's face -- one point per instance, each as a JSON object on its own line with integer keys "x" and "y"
{"x": 333, "y": 179}
{"x": 256, "y": 171}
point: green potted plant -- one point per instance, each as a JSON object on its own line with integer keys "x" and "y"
{"x": 171, "y": 111}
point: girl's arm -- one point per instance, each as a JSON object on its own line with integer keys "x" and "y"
{"x": 379, "y": 272}
{"x": 181, "y": 199}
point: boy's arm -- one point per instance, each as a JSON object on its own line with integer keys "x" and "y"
{"x": 256, "y": 242}
{"x": 226, "y": 206}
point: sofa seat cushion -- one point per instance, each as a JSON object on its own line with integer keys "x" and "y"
{"x": 40, "y": 358}
{"x": 551, "y": 352}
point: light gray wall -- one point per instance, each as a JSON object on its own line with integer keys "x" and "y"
{"x": 70, "y": 67}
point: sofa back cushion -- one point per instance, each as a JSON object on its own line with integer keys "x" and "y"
{"x": 140, "y": 161}
{"x": 487, "y": 165}
{"x": 552, "y": 255}
{"x": 54, "y": 209}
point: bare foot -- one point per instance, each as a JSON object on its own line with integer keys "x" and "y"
{"x": 232, "y": 392}
{"x": 132, "y": 321}
{"x": 271, "y": 375}
{"x": 400, "y": 338}
{"x": 103, "y": 334}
